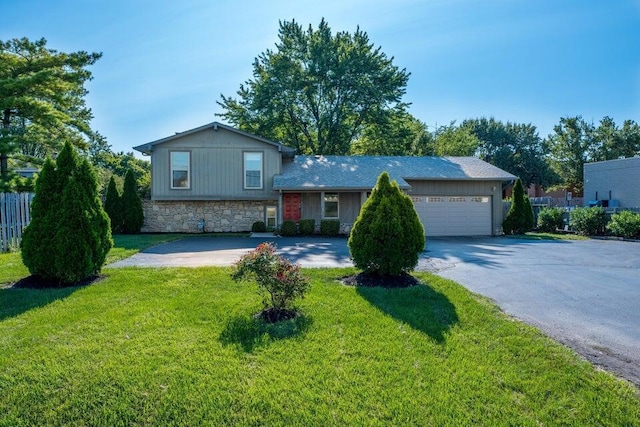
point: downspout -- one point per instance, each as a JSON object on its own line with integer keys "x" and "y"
{"x": 279, "y": 208}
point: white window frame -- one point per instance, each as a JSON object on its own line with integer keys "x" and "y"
{"x": 171, "y": 169}
{"x": 267, "y": 217}
{"x": 324, "y": 195}
{"x": 244, "y": 169}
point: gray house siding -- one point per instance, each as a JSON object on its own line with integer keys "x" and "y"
{"x": 217, "y": 167}
{"x": 613, "y": 180}
{"x": 349, "y": 204}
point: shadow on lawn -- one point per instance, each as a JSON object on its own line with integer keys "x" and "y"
{"x": 420, "y": 307}
{"x": 15, "y": 301}
{"x": 249, "y": 333}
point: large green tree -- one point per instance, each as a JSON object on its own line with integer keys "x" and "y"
{"x": 612, "y": 142}
{"x": 514, "y": 147}
{"x": 454, "y": 140}
{"x": 397, "y": 134}
{"x": 572, "y": 144}
{"x": 317, "y": 91}
{"x": 42, "y": 100}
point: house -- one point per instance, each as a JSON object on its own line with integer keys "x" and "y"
{"x": 225, "y": 180}
{"x": 613, "y": 183}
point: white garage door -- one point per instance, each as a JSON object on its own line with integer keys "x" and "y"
{"x": 454, "y": 215}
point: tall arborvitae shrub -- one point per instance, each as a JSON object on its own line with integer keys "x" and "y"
{"x": 100, "y": 227}
{"x": 113, "y": 206}
{"x": 518, "y": 218}
{"x": 132, "y": 213}
{"x": 38, "y": 238}
{"x": 387, "y": 237}
{"x": 69, "y": 234}
{"x": 529, "y": 217}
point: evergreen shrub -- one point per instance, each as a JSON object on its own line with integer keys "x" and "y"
{"x": 330, "y": 227}
{"x": 307, "y": 226}
{"x": 113, "y": 206}
{"x": 520, "y": 217}
{"x": 258, "y": 227}
{"x": 132, "y": 213}
{"x": 387, "y": 237}
{"x": 70, "y": 234}
{"x": 288, "y": 228}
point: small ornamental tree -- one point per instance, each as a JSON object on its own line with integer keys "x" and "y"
{"x": 280, "y": 282}
{"x": 113, "y": 206}
{"x": 519, "y": 220}
{"x": 387, "y": 237}
{"x": 132, "y": 213}
{"x": 69, "y": 235}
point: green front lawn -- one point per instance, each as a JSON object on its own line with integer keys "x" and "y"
{"x": 547, "y": 236}
{"x": 180, "y": 347}
{"x": 124, "y": 245}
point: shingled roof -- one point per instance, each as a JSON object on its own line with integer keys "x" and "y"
{"x": 361, "y": 172}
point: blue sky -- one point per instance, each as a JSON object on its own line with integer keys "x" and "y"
{"x": 165, "y": 63}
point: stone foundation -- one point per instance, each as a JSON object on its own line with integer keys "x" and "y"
{"x": 218, "y": 215}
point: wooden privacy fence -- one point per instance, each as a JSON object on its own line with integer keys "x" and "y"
{"x": 15, "y": 214}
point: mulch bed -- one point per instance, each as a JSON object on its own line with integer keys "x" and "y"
{"x": 377, "y": 280}
{"x": 37, "y": 282}
{"x": 273, "y": 315}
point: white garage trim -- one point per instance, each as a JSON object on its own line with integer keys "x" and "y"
{"x": 454, "y": 215}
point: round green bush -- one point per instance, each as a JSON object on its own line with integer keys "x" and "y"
{"x": 288, "y": 228}
{"x": 330, "y": 227}
{"x": 550, "y": 219}
{"x": 307, "y": 226}
{"x": 588, "y": 221}
{"x": 625, "y": 224}
{"x": 259, "y": 227}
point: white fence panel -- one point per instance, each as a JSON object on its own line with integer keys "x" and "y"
{"x": 15, "y": 215}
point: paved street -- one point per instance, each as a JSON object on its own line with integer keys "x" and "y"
{"x": 585, "y": 294}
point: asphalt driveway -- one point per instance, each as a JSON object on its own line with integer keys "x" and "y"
{"x": 585, "y": 294}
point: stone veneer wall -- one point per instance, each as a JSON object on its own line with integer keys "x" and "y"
{"x": 219, "y": 215}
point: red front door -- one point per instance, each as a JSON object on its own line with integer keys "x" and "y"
{"x": 292, "y": 203}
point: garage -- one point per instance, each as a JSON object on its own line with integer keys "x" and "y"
{"x": 454, "y": 215}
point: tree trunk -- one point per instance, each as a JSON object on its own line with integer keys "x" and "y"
{"x": 6, "y": 122}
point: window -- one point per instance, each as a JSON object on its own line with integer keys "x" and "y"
{"x": 330, "y": 205}
{"x": 180, "y": 169}
{"x": 253, "y": 170}
{"x": 270, "y": 217}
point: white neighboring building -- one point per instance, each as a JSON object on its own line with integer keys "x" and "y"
{"x": 617, "y": 180}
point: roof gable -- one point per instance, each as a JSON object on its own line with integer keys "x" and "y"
{"x": 148, "y": 147}
{"x": 361, "y": 172}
